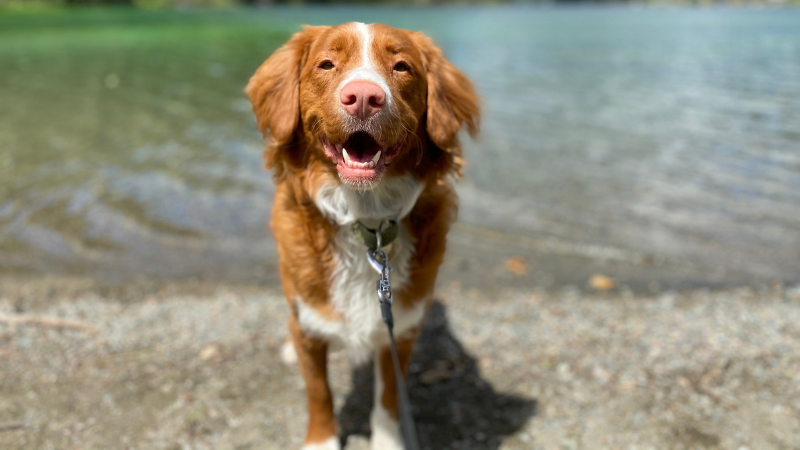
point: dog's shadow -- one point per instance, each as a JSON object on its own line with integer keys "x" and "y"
{"x": 453, "y": 406}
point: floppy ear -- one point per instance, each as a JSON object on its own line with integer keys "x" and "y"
{"x": 452, "y": 103}
{"x": 274, "y": 91}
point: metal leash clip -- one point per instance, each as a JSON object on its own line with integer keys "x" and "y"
{"x": 380, "y": 262}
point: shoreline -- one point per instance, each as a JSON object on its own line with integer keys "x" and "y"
{"x": 477, "y": 258}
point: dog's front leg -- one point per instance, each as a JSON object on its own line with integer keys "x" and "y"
{"x": 383, "y": 420}
{"x": 312, "y": 358}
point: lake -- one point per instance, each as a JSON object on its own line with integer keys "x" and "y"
{"x": 658, "y": 146}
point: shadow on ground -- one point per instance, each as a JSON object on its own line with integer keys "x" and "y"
{"x": 453, "y": 406}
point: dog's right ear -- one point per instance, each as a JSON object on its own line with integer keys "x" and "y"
{"x": 274, "y": 91}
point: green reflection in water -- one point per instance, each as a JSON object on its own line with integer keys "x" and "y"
{"x": 85, "y": 92}
{"x": 92, "y": 97}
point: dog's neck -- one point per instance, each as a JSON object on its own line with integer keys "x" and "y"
{"x": 393, "y": 198}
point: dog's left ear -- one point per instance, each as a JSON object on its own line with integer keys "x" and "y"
{"x": 452, "y": 102}
{"x": 274, "y": 91}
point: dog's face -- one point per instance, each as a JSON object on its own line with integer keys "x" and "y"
{"x": 366, "y": 99}
{"x": 363, "y": 93}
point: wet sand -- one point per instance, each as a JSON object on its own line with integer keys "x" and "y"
{"x": 173, "y": 365}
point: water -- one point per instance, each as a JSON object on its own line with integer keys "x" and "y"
{"x": 651, "y": 144}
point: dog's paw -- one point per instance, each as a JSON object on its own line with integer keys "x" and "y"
{"x": 288, "y": 353}
{"x": 330, "y": 444}
{"x": 385, "y": 431}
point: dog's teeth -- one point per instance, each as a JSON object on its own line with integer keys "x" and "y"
{"x": 360, "y": 165}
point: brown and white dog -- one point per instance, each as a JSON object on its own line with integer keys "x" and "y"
{"x": 362, "y": 124}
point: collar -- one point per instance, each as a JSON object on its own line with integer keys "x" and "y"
{"x": 369, "y": 237}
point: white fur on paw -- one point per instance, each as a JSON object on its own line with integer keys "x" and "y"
{"x": 385, "y": 430}
{"x": 330, "y": 444}
{"x": 288, "y": 353}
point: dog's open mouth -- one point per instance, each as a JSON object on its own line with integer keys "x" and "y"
{"x": 360, "y": 159}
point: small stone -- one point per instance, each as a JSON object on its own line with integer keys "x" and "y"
{"x": 601, "y": 375}
{"x": 601, "y": 283}
{"x": 516, "y": 265}
{"x": 209, "y": 352}
{"x": 564, "y": 371}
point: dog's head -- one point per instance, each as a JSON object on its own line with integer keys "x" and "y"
{"x": 365, "y": 99}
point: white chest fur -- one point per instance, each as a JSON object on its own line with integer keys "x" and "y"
{"x": 353, "y": 292}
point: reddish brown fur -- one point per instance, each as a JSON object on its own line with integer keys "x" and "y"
{"x": 293, "y": 101}
{"x": 312, "y": 356}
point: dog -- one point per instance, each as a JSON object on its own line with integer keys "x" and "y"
{"x": 361, "y": 126}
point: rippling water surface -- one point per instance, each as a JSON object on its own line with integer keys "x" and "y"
{"x": 667, "y": 140}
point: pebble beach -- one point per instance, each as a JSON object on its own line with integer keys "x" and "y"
{"x": 196, "y": 365}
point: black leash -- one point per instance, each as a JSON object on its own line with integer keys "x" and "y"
{"x": 380, "y": 262}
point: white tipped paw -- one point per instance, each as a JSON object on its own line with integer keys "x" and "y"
{"x": 385, "y": 431}
{"x": 330, "y": 444}
{"x": 288, "y": 354}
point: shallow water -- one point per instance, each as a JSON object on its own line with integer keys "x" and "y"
{"x": 657, "y": 138}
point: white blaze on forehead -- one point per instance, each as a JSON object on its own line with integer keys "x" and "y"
{"x": 366, "y": 43}
{"x": 366, "y": 70}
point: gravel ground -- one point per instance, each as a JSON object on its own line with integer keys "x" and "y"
{"x": 193, "y": 365}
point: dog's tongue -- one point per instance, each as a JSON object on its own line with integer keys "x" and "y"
{"x": 361, "y": 147}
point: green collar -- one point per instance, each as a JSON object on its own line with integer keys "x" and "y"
{"x": 368, "y": 236}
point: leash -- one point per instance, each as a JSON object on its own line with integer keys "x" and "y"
{"x": 380, "y": 262}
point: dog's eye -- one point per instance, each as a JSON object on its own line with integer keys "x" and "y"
{"x": 327, "y": 65}
{"x": 401, "y": 67}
